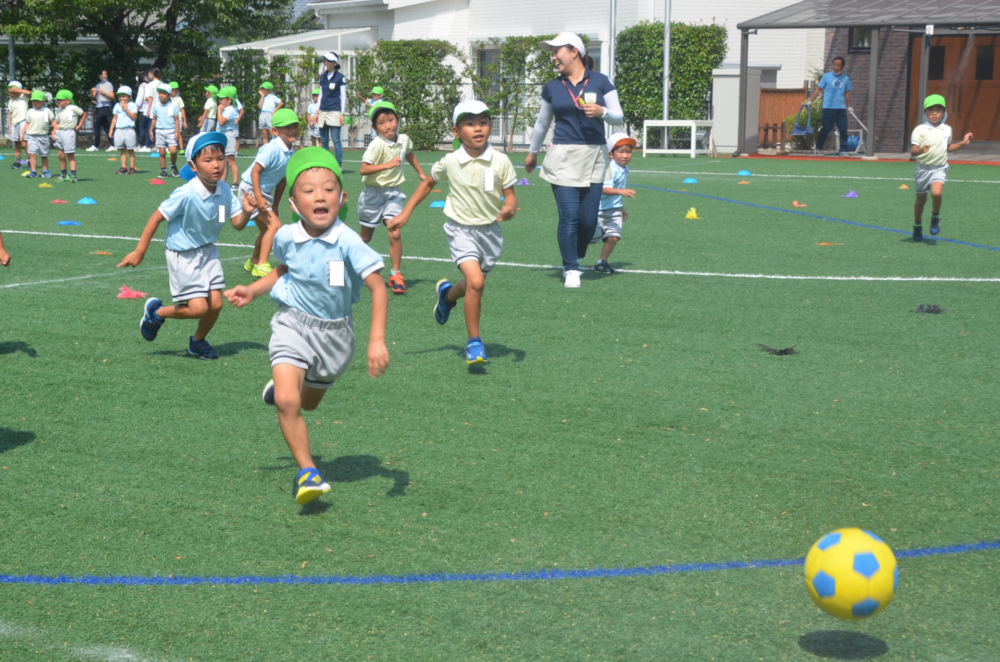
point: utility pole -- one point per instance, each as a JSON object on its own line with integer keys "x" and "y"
{"x": 666, "y": 59}
{"x": 611, "y": 45}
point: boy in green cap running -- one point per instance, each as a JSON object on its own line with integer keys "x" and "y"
{"x": 929, "y": 147}
{"x": 325, "y": 264}
{"x": 36, "y": 128}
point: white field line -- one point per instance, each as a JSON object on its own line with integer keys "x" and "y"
{"x": 123, "y": 274}
{"x": 94, "y": 653}
{"x": 522, "y": 265}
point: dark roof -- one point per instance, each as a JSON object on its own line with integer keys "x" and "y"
{"x": 874, "y": 13}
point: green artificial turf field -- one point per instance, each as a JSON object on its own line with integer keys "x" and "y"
{"x": 630, "y": 424}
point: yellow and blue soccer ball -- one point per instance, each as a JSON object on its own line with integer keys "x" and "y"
{"x": 851, "y": 574}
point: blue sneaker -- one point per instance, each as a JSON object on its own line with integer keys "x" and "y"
{"x": 442, "y": 308}
{"x": 32, "y": 175}
{"x": 201, "y": 349}
{"x": 309, "y": 486}
{"x": 268, "y": 394}
{"x": 935, "y": 224}
{"x": 475, "y": 352}
{"x": 150, "y": 324}
{"x": 47, "y": 174}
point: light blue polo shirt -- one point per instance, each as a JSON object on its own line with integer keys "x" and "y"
{"x": 124, "y": 121}
{"x": 834, "y": 87}
{"x": 271, "y": 102}
{"x": 231, "y": 114}
{"x": 314, "y": 262}
{"x": 165, "y": 114}
{"x": 617, "y": 178}
{"x": 194, "y": 214}
{"x": 274, "y": 157}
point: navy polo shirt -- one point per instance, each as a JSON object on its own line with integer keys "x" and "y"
{"x": 573, "y": 127}
{"x": 329, "y": 100}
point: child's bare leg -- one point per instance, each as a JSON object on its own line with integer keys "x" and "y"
{"x": 608, "y": 247}
{"x": 33, "y": 162}
{"x": 189, "y": 310}
{"x": 123, "y": 158}
{"x": 937, "y": 195}
{"x": 131, "y": 158}
{"x": 471, "y": 287}
{"x": 62, "y": 160}
{"x": 255, "y": 258}
{"x": 267, "y": 239}
{"x": 163, "y": 158}
{"x": 235, "y": 169}
{"x": 395, "y": 248}
{"x": 17, "y": 150}
{"x": 918, "y": 207}
{"x": 211, "y": 316}
{"x": 72, "y": 161}
{"x": 366, "y": 234}
{"x": 291, "y": 396}
{"x": 173, "y": 155}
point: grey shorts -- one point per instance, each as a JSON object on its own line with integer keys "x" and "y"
{"x": 15, "y": 131}
{"x": 248, "y": 188}
{"x": 314, "y": 132}
{"x": 165, "y": 137}
{"x": 926, "y": 175}
{"x": 125, "y": 138}
{"x": 264, "y": 121}
{"x": 38, "y": 144}
{"x": 194, "y": 273}
{"x": 376, "y": 204}
{"x": 230, "y": 143}
{"x": 482, "y": 243}
{"x": 609, "y": 224}
{"x": 209, "y": 125}
{"x": 321, "y": 347}
{"x": 66, "y": 141}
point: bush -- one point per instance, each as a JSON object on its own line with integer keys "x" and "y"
{"x": 49, "y": 69}
{"x": 694, "y": 51}
{"x": 806, "y": 142}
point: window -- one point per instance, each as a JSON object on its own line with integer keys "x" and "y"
{"x": 984, "y": 62}
{"x": 594, "y": 51}
{"x": 859, "y": 40}
{"x": 935, "y": 63}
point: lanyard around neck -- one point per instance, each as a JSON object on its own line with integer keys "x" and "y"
{"x": 576, "y": 98}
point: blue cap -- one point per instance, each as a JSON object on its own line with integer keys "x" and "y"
{"x": 187, "y": 174}
{"x": 197, "y": 143}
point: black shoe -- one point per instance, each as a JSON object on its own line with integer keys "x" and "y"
{"x": 918, "y": 233}
{"x": 602, "y": 267}
{"x": 935, "y": 224}
{"x": 174, "y": 172}
{"x": 163, "y": 173}
{"x": 121, "y": 171}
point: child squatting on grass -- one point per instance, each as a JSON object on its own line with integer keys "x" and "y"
{"x": 612, "y": 214}
{"x": 929, "y": 146}
{"x": 312, "y": 334}
{"x": 476, "y": 174}
{"x": 195, "y": 215}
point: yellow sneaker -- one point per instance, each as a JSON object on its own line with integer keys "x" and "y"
{"x": 248, "y": 266}
{"x": 261, "y": 270}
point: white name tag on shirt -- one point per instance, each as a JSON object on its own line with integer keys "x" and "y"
{"x": 222, "y": 213}
{"x": 488, "y": 183}
{"x": 590, "y": 97}
{"x": 336, "y": 272}
{"x": 333, "y": 86}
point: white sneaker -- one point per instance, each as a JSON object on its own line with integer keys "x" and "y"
{"x": 111, "y": 149}
{"x": 91, "y": 149}
{"x": 573, "y": 279}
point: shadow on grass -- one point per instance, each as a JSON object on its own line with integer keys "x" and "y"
{"x": 11, "y": 439}
{"x": 843, "y": 645}
{"x": 17, "y": 346}
{"x": 348, "y": 469}
{"x": 410, "y": 283}
{"x": 493, "y": 351}
{"x": 928, "y": 241}
{"x": 228, "y": 349}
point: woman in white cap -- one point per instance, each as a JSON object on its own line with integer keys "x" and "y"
{"x": 332, "y": 104}
{"x": 576, "y": 164}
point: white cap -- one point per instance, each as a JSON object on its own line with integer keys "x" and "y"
{"x": 474, "y": 107}
{"x": 564, "y": 39}
{"x": 163, "y": 87}
{"x": 618, "y": 139}
{"x": 14, "y": 83}
{"x": 331, "y": 57}
{"x": 125, "y": 89}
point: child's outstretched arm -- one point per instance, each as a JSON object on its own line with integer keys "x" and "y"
{"x": 509, "y": 205}
{"x": 378, "y": 353}
{"x": 968, "y": 139}
{"x": 4, "y": 255}
{"x": 241, "y": 295}
{"x": 424, "y": 189}
{"x": 134, "y": 259}
{"x": 411, "y": 158}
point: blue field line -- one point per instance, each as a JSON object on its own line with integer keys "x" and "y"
{"x": 808, "y": 215}
{"x": 437, "y": 578}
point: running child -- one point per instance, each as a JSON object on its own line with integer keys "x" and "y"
{"x": 36, "y": 130}
{"x": 17, "y": 112}
{"x": 229, "y": 125}
{"x": 265, "y": 179}
{"x": 175, "y": 98}
{"x": 382, "y": 172}
{"x": 612, "y": 212}
{"x": 929, "y": 146}
{"x": 324, "y": 266}
{"x": 269, "y": 104}
{"x": 64, "y": 130}
{"x": 312, "y": 116}
{"x": 377, "y": 94}
{"x": 477, "y": 177}
{"x": 165, "y": 130}
{"x": 123, "y": 129}
{"x": 207, "y": 121}
{"x": 195, "y": 214}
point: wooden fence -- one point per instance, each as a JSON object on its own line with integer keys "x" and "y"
{"x": 775, "y": 106}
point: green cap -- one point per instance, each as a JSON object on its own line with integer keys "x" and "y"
{"x": 228, "y": 92}
{"x": 64, "y": 95}
{"x": 284, "y": 117}
{"x": 310, "y": 157}
{"x": 213, "y": 89}
{"x": 380, "y": 107}
{"x": 316, "y": 90}
{"x": 37, "y": 95}
{"x": 266, "y": 85}
{"x": 174, "y": 85}
{"x": 934, "y": 100}
{"x": 377, "y": 90}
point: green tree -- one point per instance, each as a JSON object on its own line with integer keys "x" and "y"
{"x": 418, "y": 81}
{"x": 694, "y": 51}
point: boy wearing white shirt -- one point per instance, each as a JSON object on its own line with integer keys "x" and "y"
{"x": 164, "y": 129}
{"x": 35, "y": 130}
{"x": 122, "y": 130}
{"x": 64, "y": 130}
{"x": 929, "y": 147}
{"x": 269, "y": 103}
{"x": 17, "y": 111}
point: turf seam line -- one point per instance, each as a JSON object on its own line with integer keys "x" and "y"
{"x": 473, "y": 577}
{"x": 647, "y": 272}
